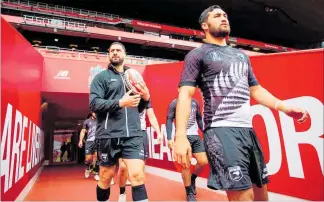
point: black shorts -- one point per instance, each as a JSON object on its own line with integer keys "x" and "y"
{"x": 146, "y": 144}
{"x": 196, "y": 143}
{"x": 235, "y": 158}
{"x": 110, "y": 150}
{"x": 90, "y": 147}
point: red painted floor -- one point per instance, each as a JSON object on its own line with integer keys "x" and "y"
{"x": 67, "y": 183}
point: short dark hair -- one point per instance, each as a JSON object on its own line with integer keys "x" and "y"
{"x": 204, "y": 14}
{"x": 118, "y": 43}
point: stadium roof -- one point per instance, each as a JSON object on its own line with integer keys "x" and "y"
{"x": 288, "y": 22}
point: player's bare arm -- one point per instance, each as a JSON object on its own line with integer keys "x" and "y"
{"x": 154, "y": 122}
{"x": 82, "y": 134}
{"x": 262, "y": 96}
{"x": 182, "y": 147}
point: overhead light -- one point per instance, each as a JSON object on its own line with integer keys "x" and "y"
{"x": 256, "y": 49}
{"x": 56, "y": 40}
{"x": 270, "y": 9}
{"x": 95, "y": 49}
{"x": 73, "y": 46}
{"x": 37, "y": 41}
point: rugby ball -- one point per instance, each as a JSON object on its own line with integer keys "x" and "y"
{"x": 132, "y": 77}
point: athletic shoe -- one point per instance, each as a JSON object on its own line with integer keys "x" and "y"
{"x": 191, "y": 197}
{"x": 87, "y": 174}
{"x": 96, "y": 177}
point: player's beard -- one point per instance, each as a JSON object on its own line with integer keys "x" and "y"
{"x": 116, "y": 62}
{"x": 219, "y": 32}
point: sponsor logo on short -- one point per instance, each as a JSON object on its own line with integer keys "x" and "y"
{"x": 104, "y": 157}
{"x": 62, "y": 74}
{"x": 265, "y": 173}
{"x": 141, "y": 153}
{"x": 235, "y": 173}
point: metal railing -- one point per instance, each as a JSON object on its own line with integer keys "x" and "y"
{"x": 84, "y": 54}
{"x": 57, "y": 8}
{"x": 75, "y": 13}
{"x": 80, "y": 14}
{"x": 54, "y": 23}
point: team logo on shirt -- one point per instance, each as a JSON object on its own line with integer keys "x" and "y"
{"x": 93, "y": 72}
{"x": 241, "y": 56}
{"x": 235, "y": 173}
{"x": 215, "y": 56}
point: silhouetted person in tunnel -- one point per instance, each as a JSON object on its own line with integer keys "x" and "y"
{"x": 63, "y": 150}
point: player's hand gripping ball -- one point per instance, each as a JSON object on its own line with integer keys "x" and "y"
{"x": 132, "y": 78}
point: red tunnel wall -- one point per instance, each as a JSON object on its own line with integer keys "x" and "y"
{"x": 22, "y": 138}
{"x": 294, "y": 152}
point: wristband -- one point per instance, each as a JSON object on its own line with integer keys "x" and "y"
{"x": 277, "y": 103}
